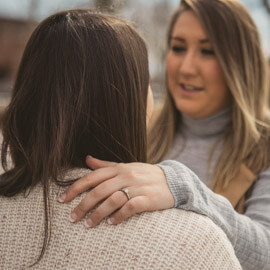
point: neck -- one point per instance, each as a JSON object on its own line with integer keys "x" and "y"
{"x": 212, "y": 125}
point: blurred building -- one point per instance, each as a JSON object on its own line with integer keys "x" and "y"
{"x": 17, "y": 20}
{"x": 14, "y": 34}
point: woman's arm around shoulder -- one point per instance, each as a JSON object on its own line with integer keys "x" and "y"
{"x": 249, "y": 233}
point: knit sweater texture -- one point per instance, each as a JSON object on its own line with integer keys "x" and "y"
{"x": 189, "y": 179}
{"x": 170, "y": 239}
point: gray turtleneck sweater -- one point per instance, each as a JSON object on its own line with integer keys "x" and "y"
{"x": 188, "y": 177}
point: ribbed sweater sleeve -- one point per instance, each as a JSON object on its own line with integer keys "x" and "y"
{"x": 249, "y": 235}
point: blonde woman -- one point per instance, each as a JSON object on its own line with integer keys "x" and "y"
{"x": 215, "y": 127}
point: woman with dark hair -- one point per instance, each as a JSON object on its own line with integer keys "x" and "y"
{"x": 215, "y": 123}
{"x": 82, "y": 88}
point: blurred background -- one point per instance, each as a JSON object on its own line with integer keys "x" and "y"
{"x": 18, "y": 18}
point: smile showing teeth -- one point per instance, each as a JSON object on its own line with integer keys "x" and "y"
{"x": 190, "y": 87}
{"x": 187, "y": 87}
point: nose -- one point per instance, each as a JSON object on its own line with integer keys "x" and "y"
{"x": 188, "y": 65}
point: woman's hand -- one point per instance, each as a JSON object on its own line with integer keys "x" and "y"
{"x": 146, "y": 185}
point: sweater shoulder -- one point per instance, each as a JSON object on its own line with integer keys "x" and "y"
{"x": 169, "y": 239}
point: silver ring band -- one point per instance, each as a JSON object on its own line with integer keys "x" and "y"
{"x": 125, "y": 190}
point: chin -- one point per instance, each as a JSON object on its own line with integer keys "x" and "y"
{"x": 189, "y": 110}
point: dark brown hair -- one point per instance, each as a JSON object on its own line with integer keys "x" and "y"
{"x": 81, "y": 89}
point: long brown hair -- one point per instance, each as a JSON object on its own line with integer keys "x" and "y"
{"x": 81, "y": 89}
{"x": 235, "y": 40}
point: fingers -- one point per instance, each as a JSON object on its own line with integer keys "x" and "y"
{"x": 147, "y": 186}
{"x": 94, "y": 163}
{"x": 114, "y": 202}
{"x": 96, "y": 195}
{"x": 90, "y": 180}
{"x": 133, "y": 206}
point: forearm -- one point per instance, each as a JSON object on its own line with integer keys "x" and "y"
{"x": 250, "y": 238}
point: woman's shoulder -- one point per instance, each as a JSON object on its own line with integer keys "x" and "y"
{"x": 168, "y": 239}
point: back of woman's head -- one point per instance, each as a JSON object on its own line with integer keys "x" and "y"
{"x": 81, "y": 89}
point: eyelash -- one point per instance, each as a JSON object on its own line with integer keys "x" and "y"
{"x": 178, "y": 49}
{"x": 208, "y": 52}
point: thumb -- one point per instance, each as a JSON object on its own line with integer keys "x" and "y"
{"x": 94, "y": 163}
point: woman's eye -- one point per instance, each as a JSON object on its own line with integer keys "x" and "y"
{"x": 207, "y": 52}
{"x": 177, "y": 49}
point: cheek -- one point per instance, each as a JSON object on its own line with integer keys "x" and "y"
{"x": 170, "y": 65}
{"x": 217, "y": 84}
{"x": 171, "y": 73}
{"x": 214, "y": 75}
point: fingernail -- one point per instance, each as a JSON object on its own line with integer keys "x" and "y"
{"x": 62, "y": 198}
{"x": 88, "y": 223}
{"x": 88, "y": 156}
{"x": 110, "y": 220}
{"x": 72, "y": 217}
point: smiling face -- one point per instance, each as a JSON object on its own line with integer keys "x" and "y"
{"x": 195, "y": 79}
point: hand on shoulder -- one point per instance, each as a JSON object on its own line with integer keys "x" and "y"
{"x": 122, "y": 189}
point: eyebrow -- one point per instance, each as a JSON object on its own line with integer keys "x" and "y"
{"x": 202, "y": 41}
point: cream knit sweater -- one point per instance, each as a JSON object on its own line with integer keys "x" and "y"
{"x": 171, "y": 239}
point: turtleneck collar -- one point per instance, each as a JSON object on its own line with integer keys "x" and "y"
{"x": 209, "y": 126}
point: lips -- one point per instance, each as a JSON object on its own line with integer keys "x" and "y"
{"x": 189, "y": 87}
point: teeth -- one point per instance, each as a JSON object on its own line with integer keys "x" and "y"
{"x": 190, "y": 87}
{"x": 187, "y": 87}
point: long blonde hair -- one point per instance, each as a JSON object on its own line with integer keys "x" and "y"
{"x": 235, "y": 40}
